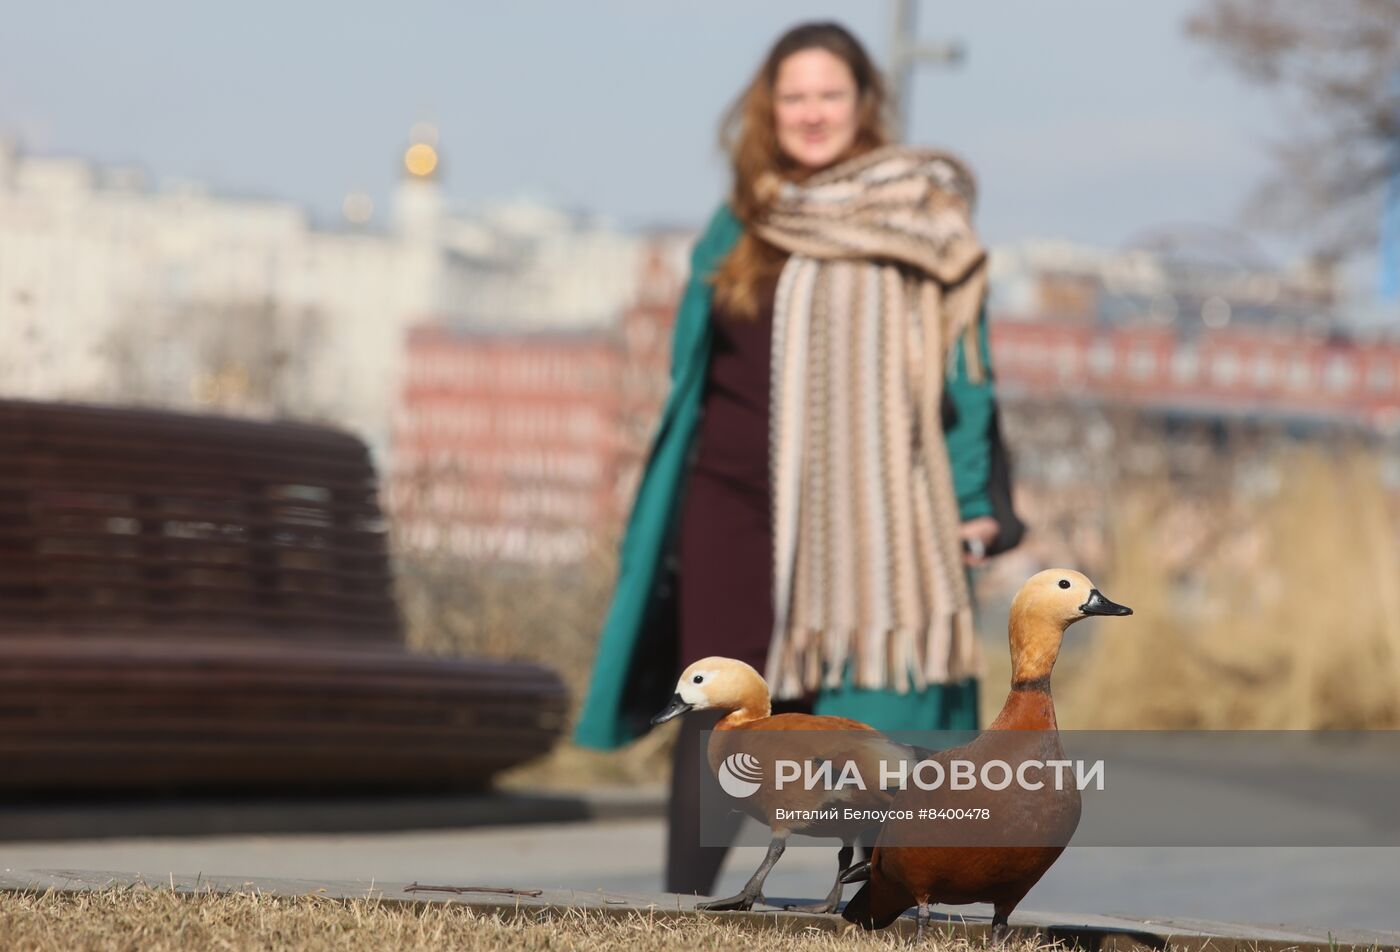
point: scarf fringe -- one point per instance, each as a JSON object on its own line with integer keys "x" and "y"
{"x": 948, "y": 649}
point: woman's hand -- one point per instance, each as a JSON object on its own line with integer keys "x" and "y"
{"x": 977, "y": 534}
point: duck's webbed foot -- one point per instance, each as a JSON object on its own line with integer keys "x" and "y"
{"x": 753, "y": 889}
{"x": 742, "y": 902}
{"x": 859, "y": 873}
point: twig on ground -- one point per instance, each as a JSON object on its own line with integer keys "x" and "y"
{"x": 503, "y": 890}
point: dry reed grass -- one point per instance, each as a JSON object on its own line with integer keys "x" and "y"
{"x": 1276, "y": 610}
{"x": 548, "y": 616}
{"x": 157, "y": 920}
{"x": 1272, "y": 607}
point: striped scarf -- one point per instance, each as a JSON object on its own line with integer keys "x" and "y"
{"x": 885, "y": 272}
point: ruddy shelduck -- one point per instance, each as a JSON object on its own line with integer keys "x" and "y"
{"x": 900, "y": 876}
{"x": 726, "y": 684}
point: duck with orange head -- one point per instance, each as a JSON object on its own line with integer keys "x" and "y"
{"x": 899, "y": 875}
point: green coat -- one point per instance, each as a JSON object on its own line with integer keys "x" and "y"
{"x": 621, "y": 695}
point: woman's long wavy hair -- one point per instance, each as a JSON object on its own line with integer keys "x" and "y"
{"x": 749, "y": 135}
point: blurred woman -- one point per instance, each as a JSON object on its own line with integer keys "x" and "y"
{"x": 820, "y": 475}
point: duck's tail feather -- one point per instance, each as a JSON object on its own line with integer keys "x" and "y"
{"x": 857, "y": 910}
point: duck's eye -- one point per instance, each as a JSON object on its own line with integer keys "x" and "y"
{"x": 698, "y": 678}
{"x": 1064, "y": 583}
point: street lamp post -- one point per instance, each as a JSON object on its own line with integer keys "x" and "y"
{"x": 1388, "y": 253}
{"x": 907, "y": 53}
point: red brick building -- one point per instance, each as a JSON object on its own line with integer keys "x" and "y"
{"x": 506, "y": 447}
{"x": 1245, "y": 370}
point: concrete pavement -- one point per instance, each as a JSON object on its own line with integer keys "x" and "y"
{"x": 1324, "y": 889}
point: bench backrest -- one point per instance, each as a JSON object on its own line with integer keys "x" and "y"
{"x": 114, "y": 520}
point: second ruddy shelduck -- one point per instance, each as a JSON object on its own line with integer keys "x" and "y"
{"x": 900, "y": 876}
{"x": 752, "y": 731}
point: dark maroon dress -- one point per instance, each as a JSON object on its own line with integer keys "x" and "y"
{"x": 726, "y": 535}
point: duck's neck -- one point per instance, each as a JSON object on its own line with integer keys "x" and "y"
{"x": 739, "y": 718}
{"x": 1029, "y": 706}
{"x": 753, "y": 706}
{"x": 1035, "y": 646}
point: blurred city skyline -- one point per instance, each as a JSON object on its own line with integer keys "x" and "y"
{"x": 1092, "y": 123}
{"x": 1194, "y": 414}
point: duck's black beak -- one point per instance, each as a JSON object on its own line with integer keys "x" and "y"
{"x": 676, "y": 708}
{"x": 1098, "y": 605}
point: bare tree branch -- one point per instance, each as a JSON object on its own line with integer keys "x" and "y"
{"x": 1337, "y": 63}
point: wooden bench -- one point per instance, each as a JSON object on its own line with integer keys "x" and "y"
{"x": 192, "y": 602}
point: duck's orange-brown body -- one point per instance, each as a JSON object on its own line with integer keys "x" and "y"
{"x": 805, "y": 738}
{"x": 902, "y": 875}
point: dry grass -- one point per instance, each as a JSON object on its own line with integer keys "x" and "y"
{"x": 157, "y": 920}
{"x": 1273, "y": 610}
{"x": 549, "y": 616}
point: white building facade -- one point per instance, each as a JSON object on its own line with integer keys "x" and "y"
{"x": 114, "y": 292}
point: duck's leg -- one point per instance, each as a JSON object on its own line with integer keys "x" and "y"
{"x": 1000, "y": 928}
{"x": 753, "y": 889}
{"x": 921, "y": 918}
{"x": 833, "y": 898}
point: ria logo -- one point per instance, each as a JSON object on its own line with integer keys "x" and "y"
{"x": 740, "y": 774}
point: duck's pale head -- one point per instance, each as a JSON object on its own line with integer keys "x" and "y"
{"x": 1046, "y": 605}
{"x": 1063, "y": 596}
{"x": 718, "y": 684}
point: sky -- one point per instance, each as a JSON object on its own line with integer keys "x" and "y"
{"x": 1091, "y": 120}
